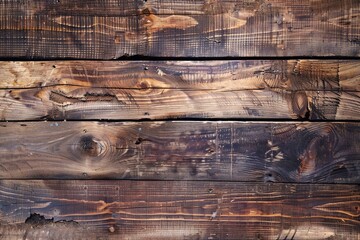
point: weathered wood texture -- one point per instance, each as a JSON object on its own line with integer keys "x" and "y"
{"x": 252, "y": 89}
{"x": 110, "y": 29}
{"x": 237, "y": 151}
{"x": 180, "y": 210}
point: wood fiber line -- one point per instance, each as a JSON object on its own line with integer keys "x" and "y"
{"x": 179, "y": 210}
{"x": 85, "y": 29}
{"x": 238, "y": 151}
{"x": 252, "y": 89}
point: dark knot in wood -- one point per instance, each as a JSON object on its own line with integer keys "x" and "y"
{"x": 89, "y": 146}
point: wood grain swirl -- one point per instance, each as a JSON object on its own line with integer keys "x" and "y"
{"x": 252, "y": 89}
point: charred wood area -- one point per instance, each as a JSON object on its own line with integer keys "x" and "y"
{"x": 184, "y": 120}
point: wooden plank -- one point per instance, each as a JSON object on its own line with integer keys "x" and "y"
{"x": 110, "y": 29}
{"x": 179, "y": 210}
{"x": 270, "y": 89}
{"x": 239, "y": 151}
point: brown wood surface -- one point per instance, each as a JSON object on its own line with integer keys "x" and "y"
{"x": 251, "y": 89}
{"x": 198, "y": 178}
{"x": 110, "y": 29}
{"x": 179, "y": 210}
{"x": 236, "y": 151}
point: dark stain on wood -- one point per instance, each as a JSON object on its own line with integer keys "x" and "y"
{"x": 37, "y": 226}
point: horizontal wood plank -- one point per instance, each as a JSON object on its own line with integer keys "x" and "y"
{"x": 110, "y": 29}
{"x": 252, "y": 89}
{"x": 178, "y": 210}
{"x": 238, "y": 151}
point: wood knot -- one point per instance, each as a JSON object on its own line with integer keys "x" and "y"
{"x": 89, "y": 146}
{"x": 144, "y": 86}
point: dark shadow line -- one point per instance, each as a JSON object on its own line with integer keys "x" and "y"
{"x": 185, "y": 58}
{"x": 190, "y": 119}
{"x": 180, "y": 180}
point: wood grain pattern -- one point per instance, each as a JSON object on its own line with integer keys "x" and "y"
{"x": 237, "y": 151}
{"x": 181, "y": 210}
{"x": 252, "y": 89}
{"x": 109, "y": 29}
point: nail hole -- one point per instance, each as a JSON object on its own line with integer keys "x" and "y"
{"x": 210, "y": 150}
{"x": 138, "y": 141}
{"x": 146, "y": 68}
{"x": 269, "y": 177}
{"x": 54, "y": 66}
{"x": 210, "y": 190}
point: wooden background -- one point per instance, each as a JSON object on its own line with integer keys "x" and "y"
{"x": 188, "y": 119}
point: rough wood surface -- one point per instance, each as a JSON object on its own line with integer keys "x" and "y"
{"x": 188, "y": 28}
{"x": 252, "y": 89}
{"x": 238, "y": 151}
{"x": 180, "y": 210}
